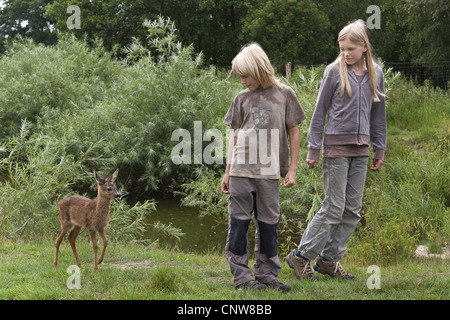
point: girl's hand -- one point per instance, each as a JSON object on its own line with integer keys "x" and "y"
{"x": 225, "y": 185}
{"x": 376, "y": 164}
{"x": 312, "y": 163}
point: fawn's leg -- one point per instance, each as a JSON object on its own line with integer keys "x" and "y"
{"x": 59, "y": 238}
{"x": 72, "y": 238}
{"x": 102, "y": 233}
{"x": 95, "y": 247}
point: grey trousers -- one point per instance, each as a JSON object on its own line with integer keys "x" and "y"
{"x": 328, "y": 232}
{"x": 260, "y": 197}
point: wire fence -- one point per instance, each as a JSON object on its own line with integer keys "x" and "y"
{"x": 436, "y": 72}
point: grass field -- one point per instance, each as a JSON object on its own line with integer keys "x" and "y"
{"x": 138, "y": 273}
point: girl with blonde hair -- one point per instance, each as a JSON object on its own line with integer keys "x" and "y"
{"x": 356, "y": 33}
{"x": 352, "y": 103}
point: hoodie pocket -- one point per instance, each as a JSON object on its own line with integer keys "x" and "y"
{"x": 335, "y": 122}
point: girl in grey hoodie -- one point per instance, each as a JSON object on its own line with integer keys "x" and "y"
{"x": 351, "y": 101}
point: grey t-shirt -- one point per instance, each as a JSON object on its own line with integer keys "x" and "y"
{"x": 261, "y": 120}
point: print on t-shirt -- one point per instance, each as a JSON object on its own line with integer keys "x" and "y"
{"x": 261, "y": 117}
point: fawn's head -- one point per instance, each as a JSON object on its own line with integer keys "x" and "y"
{"x": 106, "y": 187}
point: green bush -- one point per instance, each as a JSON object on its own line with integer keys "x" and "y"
{"x": 148, "y": 101}
{"x": 67, "y": 110}
{"x": 37, "y": 172}
{"x": 34, "y": 78}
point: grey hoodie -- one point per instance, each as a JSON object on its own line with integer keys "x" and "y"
{"x": 351, "y": 121}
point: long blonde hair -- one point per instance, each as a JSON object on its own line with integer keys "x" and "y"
{"x": 356, "y": 32}
{"x": 253, "y": 61}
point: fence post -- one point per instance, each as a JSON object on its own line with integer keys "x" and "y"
{"x": 288, "y": 67}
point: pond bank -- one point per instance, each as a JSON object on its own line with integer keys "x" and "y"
{"x": 201, "y": 234}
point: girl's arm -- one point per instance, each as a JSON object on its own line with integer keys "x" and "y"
{"x": 225, "y": 185}
{"x": 316, "y": 127}
{"x": 294, "y": 138}
{"x": 378, "y": 127}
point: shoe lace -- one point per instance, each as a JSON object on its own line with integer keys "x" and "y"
{"x": 307, "y": 268}
{"x": 340, "y": 269}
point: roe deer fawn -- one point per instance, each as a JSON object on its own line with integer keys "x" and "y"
{"x": 77, "y": 211}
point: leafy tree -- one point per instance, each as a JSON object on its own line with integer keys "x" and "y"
{"x": 25, "y": 18}
{"x": 428, "y": 35}
{"x": 289, "y": 30}
{"x": 115, "y": 22}
{"x": 390, "y": 42}
{"x": 213, "y": 26}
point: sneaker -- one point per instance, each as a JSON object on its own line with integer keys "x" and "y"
{"x": 275, "y": 284}
{"x": 252, "y": 284}
{"x": 302, "y": 267}
{"x": 332, "y": 268}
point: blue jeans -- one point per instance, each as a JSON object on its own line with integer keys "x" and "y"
{"x": 328, "y": 232}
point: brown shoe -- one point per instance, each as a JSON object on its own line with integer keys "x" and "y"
{"x": 332, "y": 268}
{"x": 252, "y": 284}
{"x": 277, "y": 285}
{"x": 302, "y": 267}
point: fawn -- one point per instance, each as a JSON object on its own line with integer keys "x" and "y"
{"x": 77, "y": 211}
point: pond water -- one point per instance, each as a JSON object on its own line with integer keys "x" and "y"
{"x": 202, "y": 234}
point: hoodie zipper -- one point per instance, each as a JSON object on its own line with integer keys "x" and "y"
{"x": 359, "y": 113}
{"x": 359, "y": 108}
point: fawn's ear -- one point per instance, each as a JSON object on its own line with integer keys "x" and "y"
{"x": 113, "y": 177}
{"x": 98, "y": 178}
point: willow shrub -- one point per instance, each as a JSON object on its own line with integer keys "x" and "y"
{"x": 69, "y": 77}
{"x": 37, "y": 172}
{"x": 81, "y": 110}
{"x": 147, "y": 102}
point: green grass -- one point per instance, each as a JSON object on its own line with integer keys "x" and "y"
{"x": 26, "y": 272}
